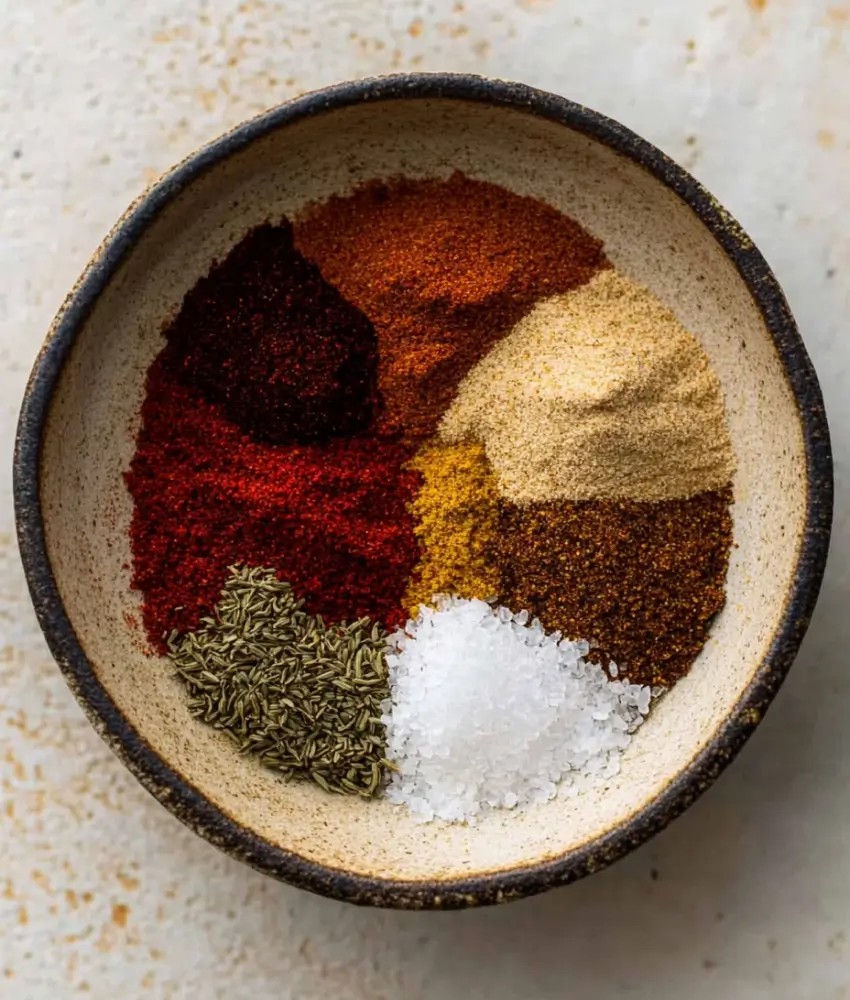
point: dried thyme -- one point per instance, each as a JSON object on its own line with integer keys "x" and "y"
{"x": 302, "y": 696}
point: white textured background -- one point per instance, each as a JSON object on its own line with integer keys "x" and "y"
{"x": 102, "y": 893}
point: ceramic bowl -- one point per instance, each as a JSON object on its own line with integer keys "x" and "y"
{"x": 81, "y": 414}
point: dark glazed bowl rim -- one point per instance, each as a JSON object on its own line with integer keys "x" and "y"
{"x": 178, "y": 795}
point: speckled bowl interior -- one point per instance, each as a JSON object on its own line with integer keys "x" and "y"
{"x": 84, "y": 440}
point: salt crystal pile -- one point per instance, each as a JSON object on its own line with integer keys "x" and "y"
{"x": 487, "y": 711}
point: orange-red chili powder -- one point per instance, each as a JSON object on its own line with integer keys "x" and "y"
{"x": 443, "y": 269}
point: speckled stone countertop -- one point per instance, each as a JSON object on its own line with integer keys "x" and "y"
{"x": 103, "y": 893}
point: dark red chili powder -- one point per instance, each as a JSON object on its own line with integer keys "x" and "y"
{"x": 290, "y": 360}
{"x": 332, "y": 518}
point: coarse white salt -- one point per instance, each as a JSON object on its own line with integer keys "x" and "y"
{"x": 486, "y": 711}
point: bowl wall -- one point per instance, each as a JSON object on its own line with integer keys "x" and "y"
{"x": 649, "y": 233}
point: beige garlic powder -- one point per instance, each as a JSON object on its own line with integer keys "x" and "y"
{"x": 598, "y": 393}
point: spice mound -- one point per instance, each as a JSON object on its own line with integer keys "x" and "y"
{"x": 598, "y": 393}
{"x": 642, "y": 580}
{"x": 456, "y": 511}
{"x": 443, "y": 268}
{"x": 288, "y": 358}
{"x": 428, "y": 500}
{"x": 332, "y": 518}
{"x": 302, "y": 696}
{"x": 489, "y": 711}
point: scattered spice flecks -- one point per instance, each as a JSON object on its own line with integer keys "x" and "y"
{"x": 457, "y": 517}
{"x": 641, "y": 579}
{"x": 302, "y": 696}
{"x": 443, "y": 269}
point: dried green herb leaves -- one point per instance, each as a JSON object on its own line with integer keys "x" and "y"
{"x": 302, "y": 696}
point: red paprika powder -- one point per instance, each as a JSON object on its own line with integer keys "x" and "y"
{"x": 264, "y": 350}
{"x": 332, "y": 518}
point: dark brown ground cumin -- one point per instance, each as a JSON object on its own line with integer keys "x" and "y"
{"x": 643, "y": 580}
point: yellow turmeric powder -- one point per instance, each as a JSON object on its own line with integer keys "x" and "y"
{"x": 457, "y": 513}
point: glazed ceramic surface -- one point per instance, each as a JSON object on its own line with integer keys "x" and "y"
{"x": 82, "y": 414}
